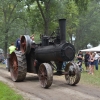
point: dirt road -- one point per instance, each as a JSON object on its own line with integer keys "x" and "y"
{"x": 31, "y": 89}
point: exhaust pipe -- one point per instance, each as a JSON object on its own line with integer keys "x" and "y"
{"x": 62, "y": 25}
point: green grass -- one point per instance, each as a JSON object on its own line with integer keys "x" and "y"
{"x": 6, "y": 93}
{"x": 2, "y": 65}
{"x": 91, "y": 79}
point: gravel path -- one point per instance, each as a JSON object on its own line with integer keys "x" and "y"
{"x": 30, "y": 89}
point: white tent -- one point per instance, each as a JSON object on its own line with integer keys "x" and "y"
{"x": 94, "y": 49}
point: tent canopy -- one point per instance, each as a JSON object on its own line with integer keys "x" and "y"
{"x": 94, "y": 49}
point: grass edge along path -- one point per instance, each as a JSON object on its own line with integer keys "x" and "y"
{"x": 6, "y": 93}
{"x": 91, "y": 80}
{"x": 25, "y": 95}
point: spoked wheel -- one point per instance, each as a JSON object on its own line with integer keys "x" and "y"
{"x": 45, "y": 75}
{"x": 73, "y": 73}
{"x": 18, "y": 66}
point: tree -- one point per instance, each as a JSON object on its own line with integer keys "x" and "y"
{"x": 88, "y": 29}
{"x": 47, "y": 8}
{"x": 71, "y": 13}
{"x": 10, "y": 11}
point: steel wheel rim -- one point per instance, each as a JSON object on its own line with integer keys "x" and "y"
{"x": 14, "y": 67}
{"x": 43, "y": 76}
{"x": 71, "y": 77}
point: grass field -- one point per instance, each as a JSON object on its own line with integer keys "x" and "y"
{"x": 6, "y": 93}
{"x": 91, "y": 79}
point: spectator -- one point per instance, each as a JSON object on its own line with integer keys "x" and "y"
{"x": 96, "y": 60}
{"x": 90, "y": 54}
{"x": 80, "y": 65}
{"x": 92, "y": 64}
{"x": 80, "y": 58}
{"x": 86, "y": 60}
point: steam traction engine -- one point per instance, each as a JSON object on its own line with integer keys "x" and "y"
{"x": 42, "y": 58}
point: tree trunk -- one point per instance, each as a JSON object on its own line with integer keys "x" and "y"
{"x": 46, "y": 28}
{"x": 45, "y": 15}
{"x": 6, "y": 45}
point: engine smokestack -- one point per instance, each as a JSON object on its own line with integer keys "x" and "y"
{"x": 62, "y": 25}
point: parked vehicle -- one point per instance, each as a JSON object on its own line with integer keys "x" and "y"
{"x": 1, "y": 55}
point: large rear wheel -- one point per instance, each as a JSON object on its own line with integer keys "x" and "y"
{"x": 25, "y": 44}
{"x": 45, "y": 75}
{"x": 73, "y": 73}
{"x": 18, "y": 67}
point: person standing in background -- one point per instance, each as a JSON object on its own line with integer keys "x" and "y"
{"x": 80, "y": 57}
{"x": 86, "y": 60}
{"x": 96, "y": 60}
{"x": 92, "y": 63}
{"x": 90, "y": 55}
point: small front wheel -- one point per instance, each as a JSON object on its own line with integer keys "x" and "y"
{"x": 73, "y": 73}
{"x": 45, "y": 75}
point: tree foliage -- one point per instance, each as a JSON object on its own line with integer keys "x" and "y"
{"x": 41, "y": 17}
{"x": 9, "y": 18}
{"x": 88, "y": 29}
{"x": 52, "y": 10}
